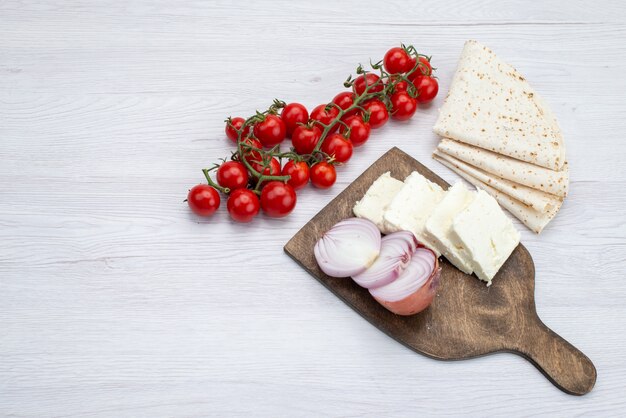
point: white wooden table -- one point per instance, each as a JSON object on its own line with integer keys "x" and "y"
{"x": 116, "y": 301}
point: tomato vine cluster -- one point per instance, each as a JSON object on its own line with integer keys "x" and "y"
{"x": 255, "y": 177}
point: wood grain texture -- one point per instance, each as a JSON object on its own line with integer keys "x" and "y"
{"x": 466, "y": 319}
{"x": 115, "y": 301}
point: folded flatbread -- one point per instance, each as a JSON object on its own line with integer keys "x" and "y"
{"x": 491, "y": 106}
{"x": 533, "y": 219}
{"x": 536, "y": 199}
{"x": 533, "y": 176}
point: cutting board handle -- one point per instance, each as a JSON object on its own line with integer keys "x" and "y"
{"x": 562, "y": 363}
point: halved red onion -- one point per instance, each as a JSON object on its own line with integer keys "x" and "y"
{"x": 416, "y": 287}
{"x": 348, "y": 248}
{"x": 395, "y": 254}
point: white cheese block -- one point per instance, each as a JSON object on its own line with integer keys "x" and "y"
{"x": 439, "y": 225}
{"x": 487, "y": 233}
{"x": 411, "y": 207}
{"x": 372, "y": 206}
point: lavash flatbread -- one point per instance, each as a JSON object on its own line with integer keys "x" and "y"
{"x": 490, "y": 105}
{"x": 533, "y": 176}
{"x": 534, "y": 220}
{"x": 536, "y": 199}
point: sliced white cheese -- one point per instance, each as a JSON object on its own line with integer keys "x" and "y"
{"x": 487, "y": 233}
{"x": 439, "y": 225}
{"x": 373, "y": 205}
{"x": 411, "y": 207}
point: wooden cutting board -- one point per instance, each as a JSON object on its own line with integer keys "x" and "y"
{"x": 466, "y": 319}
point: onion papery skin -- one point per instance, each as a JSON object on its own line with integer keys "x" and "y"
{"x": 416, "y": 296}
{"x": 395, "y": 254}
{"x": 348, "y": 248}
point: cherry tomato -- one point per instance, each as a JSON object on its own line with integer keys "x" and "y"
{"x": 304, "y": 139}
{"x": 397, "y": 60}
{"x": 403, "y": 106}
{"x": 427, "y": 88}
{"x": 271, "y": 131}
{"x": 231, "y": 131}
{"x": 338, "y": 147}
{"x": 299, "y": 172}
{"x": 324, "y": 116}
{"x": 272, "y": 169}
{"x": 278, "y": 199}
{"x": 424, "y": 69}
{"x": 293, "y": 114}
{"x": 425, "y": 66}
{"x": 359, "y": 130}
{"x": 344, "y": 100}
{"x": 323, "y": 175}
{"x": 369, "y": 79}
{"x": 251, "y": 155}
{"x": 203, "y": 200}
{"x": 243, "y": 205}
{"x": 232, "y": 174}
{"x": 400, "y": 85}
{"x": 412, "y": 62}
{"x": 378, "y": 113}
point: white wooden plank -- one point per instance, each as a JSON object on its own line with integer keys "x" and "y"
{"x": 117, "y": 301}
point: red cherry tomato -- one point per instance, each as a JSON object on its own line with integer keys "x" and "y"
{"x": 344, "y": 100}
{"x": 397, "y": 60}
{"x": 338, "y": 147}
{"x": 251, "y": 155}
{"x": 324, "y": 116}
{"x": 403, "y": 106}
{"x": 412, "y": 62}
{"x": 278, "y": 199}
{"x": 378, "y": 113}
{"x": 304, "y": 139}
{"x": 271, "y": 131}
{"x": 272, "y": 169}
{"x": 231, "y": 131}
{"x": 359, "y": 130}
{"x": 293, "y": 114}
{"x": 232, "y": 174}
{"x": 424, "y": 69}
{"x": 427, "y": 88}
{"x": 299, "y": 172}
{"x": 323, "y": 175}
{"x": 243, "y": 205}
{"x": 369, "y": 79}
{"x": 400, "y": 85}
{"x": 203, "y": 200}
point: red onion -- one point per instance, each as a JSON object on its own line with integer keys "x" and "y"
{"x": 416, "y": 287}
{"x": 348, "y": 248}
{"x": 395, "y": 254}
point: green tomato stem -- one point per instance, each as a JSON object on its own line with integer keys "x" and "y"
{"x": 206, "y": 171}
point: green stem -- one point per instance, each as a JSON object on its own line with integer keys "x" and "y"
{"x": 290, "y": 155}
{"x": 263, "y": 178}
{"x": 356, "y": 104}
{"x": 260, "y": 177}
{"x": 224, "y": 190}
